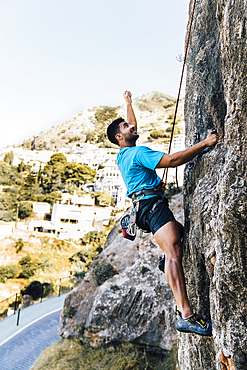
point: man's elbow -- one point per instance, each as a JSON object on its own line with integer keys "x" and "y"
{"x": 167, "y": 161}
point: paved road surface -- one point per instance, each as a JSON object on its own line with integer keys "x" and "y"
{"x": 21, "y": 345}
{"x": 21, "y": 351}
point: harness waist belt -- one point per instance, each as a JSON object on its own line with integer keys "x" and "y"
{"x": 144, "y": 192}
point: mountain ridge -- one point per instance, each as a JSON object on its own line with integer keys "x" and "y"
{"x": 153, "y": 111}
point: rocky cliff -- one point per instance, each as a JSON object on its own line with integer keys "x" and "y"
{"x": 124, "y": 297}
{"x": 215, "y": 186}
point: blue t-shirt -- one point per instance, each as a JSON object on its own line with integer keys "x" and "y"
{"x": 137, "y": 166}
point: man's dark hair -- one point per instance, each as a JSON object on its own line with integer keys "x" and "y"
{"x": 113, "y": 129}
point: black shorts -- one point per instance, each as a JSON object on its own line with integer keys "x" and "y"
{"x": 153, "y": 213}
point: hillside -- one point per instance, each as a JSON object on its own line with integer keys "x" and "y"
{"x": 153, "y": 111}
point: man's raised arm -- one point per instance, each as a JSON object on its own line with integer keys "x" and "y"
{"x": 131, "y": 118}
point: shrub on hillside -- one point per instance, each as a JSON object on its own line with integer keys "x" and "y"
{"x": 84, "y": 258}
{"x": 176, "y": 130}
{"x": 155, "y": 134}
{"x": 19, "y": 245}
{"x": 70, "y": 354}
{"x": 171, "y": 117}
{"x": 103, "y": 199}
{"x": 144, "y": 107}
{"x": 74, "y": 138}
{"x": 8, "y": 272}
{"x": 28, "y": 267}
{"x": 95, "y": 238}
{"x": 93, "y": 243}
{"x": 168, "y": 105}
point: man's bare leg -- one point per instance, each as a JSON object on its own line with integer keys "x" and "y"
{"x": 169, "y": 239}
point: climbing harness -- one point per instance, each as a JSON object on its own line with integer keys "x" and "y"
{"x": 179, "y": 91}
{"x": 128, "y": 221}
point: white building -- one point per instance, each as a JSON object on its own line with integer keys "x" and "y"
{"x": 41, "y": 208}
{"x": 73, "y": 217}
{"x": 6, "y": 229}
{"x": 109, "y": 179}
{"x": 72, "y": 221}
{"x": 34, "y": 158}
{"x": 178, "y": 143}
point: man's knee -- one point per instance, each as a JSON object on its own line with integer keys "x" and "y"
{"x": 175, "y": 250}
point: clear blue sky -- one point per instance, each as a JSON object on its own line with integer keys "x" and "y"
{"x": 59, "y": 57}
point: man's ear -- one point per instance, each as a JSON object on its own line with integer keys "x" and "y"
{"x": 119, "y": 136}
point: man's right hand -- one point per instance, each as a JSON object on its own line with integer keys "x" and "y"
{"x": 128, "y": 97}
{"x": 212, "y": 138}
{"x": 131, "y": 118}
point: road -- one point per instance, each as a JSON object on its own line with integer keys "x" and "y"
{"x": 21, "y": 345}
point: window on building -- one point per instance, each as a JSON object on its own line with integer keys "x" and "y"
{"x": 73, "y": 221}
{"x": 64, "y": 220}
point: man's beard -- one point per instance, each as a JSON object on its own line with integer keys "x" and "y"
{"x": 130, "y": 138}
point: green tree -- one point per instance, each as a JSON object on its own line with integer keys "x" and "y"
{"x": 9, "y": 158}
{"x": 5, "y": 173}
{"x": 52, "y": 172}
{"x": 57, "y": 158}
{"x": 28, "y": 188}
{"x": 103, "y": 199}
{"x": 171, "y": 189}
{"x": 22, "y": 167}
{"x": 52, "y": 197}
{"x": 101, "y": 137}
{"x": 168, "y": 105}
{"x": 25, "y": 209}
{"x": 77, "y": 174}
{"x": 7, "y": 207}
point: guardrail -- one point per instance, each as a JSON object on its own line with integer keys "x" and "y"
{"x": 39, "y": 292}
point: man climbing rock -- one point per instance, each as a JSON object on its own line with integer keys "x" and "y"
{"x": 137, "y": 165}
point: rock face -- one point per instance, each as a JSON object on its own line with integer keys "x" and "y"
{"x": 124, "y": 297}
{"x": 215, "y": 186}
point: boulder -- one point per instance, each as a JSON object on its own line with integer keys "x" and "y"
{"x": 124, "y": 297}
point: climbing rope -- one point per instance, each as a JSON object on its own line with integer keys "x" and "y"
{"x": 179, "y": 91}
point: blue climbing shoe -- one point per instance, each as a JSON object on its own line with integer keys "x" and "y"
{"x": 161, "y": 264}
{"x": 194, "y": 324}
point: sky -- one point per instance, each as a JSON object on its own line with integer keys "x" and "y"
{"x": 59, "y": 57}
